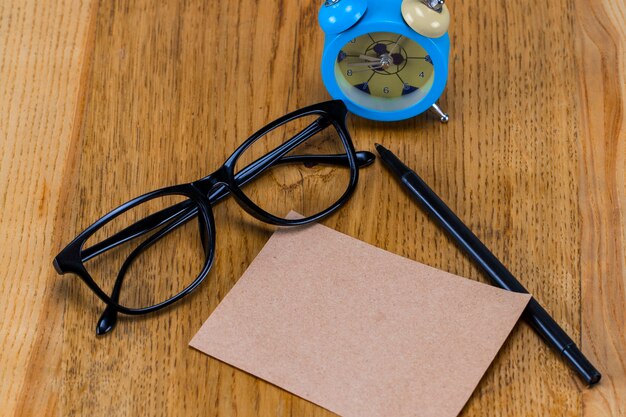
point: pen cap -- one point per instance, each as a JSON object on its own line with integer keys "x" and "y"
{"x": 582, "y": 365}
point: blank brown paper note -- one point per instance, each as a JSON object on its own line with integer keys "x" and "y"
{"x": 358, "y": 330}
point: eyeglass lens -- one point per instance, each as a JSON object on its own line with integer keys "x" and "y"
{"x": 305, "y": 187}
{"x": 156, "y": 266}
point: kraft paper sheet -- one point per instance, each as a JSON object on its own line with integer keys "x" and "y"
{"x": 358, "y": 330}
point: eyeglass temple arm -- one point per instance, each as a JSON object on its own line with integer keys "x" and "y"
{"x": 187, "y": 209}
{"x": 363, "y": 159}
{"x": 139, "y": 228}
{"x": 274, "y": 156}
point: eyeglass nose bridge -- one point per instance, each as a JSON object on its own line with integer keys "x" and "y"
{"x": 216, "y": 179}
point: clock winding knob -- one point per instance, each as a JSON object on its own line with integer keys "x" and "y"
{"x": 429, "y": 18}
{"x": 335, "y": 16}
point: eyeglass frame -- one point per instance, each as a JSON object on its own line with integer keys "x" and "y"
{"x": 200, "y": 194}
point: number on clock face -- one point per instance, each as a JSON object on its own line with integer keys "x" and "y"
{"x": 385, "y": 65}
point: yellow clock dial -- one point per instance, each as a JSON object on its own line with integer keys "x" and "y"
{"x": 384, "y": 66}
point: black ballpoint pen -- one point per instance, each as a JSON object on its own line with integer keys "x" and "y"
{"x": 534, "y": 314}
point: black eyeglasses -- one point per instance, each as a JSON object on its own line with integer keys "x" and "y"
{"x": 304, "y": 162}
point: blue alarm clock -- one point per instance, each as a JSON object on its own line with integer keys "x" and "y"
{"x": 386, "y": 59}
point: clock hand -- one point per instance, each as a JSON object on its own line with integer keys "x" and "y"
{"x": 363, "y": 64}
{"x": 396, "y": 45}
{"x": 372, "y": 68}
{"x": 369, "y": 58}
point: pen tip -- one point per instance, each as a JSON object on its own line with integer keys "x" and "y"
{"x": 381, "y": 149}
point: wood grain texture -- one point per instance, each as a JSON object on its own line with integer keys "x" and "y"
{"x": 112, "y": 99}
{"x": 601, "y": 50}
{"x": 42, "y": 51}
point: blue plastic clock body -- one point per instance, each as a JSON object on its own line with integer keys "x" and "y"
{"x": 359, "y": 17}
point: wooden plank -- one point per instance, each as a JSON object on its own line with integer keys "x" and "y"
{"x": 42, "y": 54}
{"x": 601, "y": 52}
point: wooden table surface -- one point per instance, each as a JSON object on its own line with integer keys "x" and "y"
{"x": 104, "y": 100}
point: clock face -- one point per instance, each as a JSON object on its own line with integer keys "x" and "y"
{"x": 384, "y": 71}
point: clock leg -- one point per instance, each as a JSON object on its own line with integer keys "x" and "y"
{"x": 443, "y": 117}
